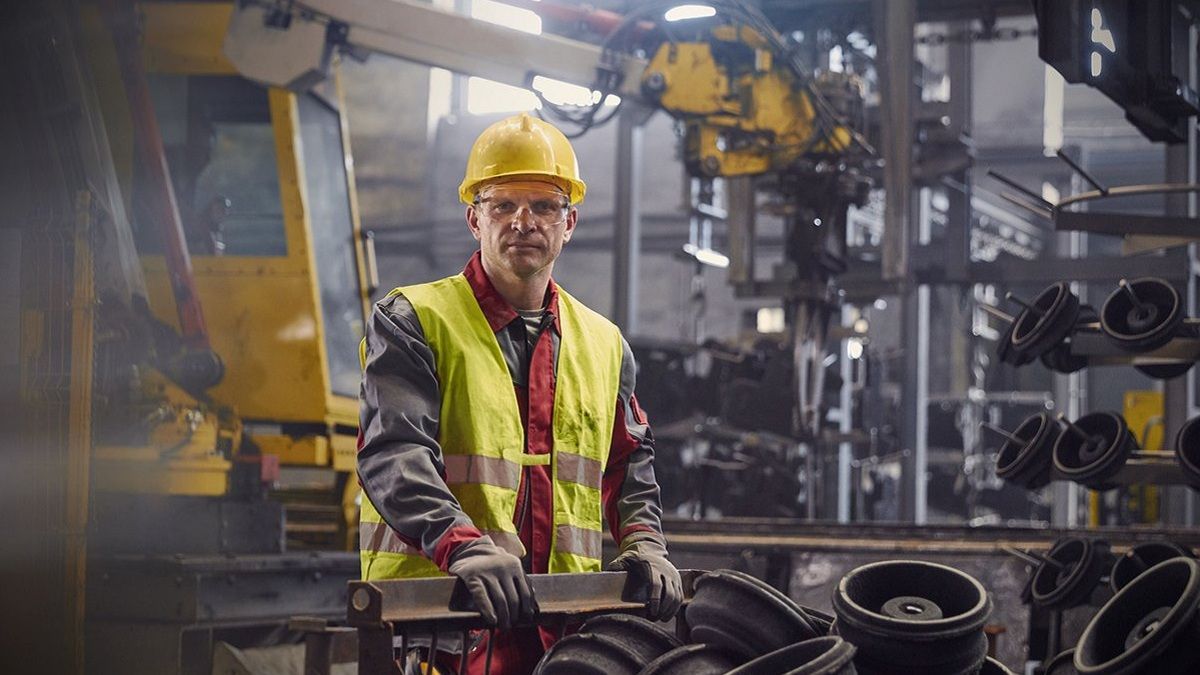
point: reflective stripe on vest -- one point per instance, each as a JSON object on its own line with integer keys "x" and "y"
{"x": 481, "y": 435}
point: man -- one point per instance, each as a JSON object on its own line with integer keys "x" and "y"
{"x": 499, "y": 425}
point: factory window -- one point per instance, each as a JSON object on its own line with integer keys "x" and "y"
{"x": 506, "y": 15}
{"x": 486, "y": 97}
{"x": 220, "y": 148}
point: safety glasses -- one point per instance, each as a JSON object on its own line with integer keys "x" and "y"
{"x": 545, "y": 208}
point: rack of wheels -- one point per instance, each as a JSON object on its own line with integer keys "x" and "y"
{"x": 1142, "y": 608}
{"x": 896, "y": 617}
{"x": 1142, "y": 323}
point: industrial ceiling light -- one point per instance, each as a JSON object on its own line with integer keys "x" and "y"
{"x": 685, "y": 12}
{"x": 707, "y": 256}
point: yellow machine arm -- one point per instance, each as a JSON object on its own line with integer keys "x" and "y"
{"x": 745, "y": 110}
{"x": 743, "y": 116}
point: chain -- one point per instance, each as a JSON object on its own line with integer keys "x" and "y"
{"x": 977, "y": 35}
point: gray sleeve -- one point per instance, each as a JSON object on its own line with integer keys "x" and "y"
{"x": 639, "y": 507}
{"x": 399, "y": 461}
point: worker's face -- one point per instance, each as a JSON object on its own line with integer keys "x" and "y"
{"x": 521, "y": 226}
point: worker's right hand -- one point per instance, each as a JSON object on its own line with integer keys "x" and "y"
{"x": 496, "y": 581}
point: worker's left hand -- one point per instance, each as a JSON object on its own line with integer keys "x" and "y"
{"x": 647, "y": 559}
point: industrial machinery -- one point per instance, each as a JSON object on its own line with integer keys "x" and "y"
{"x": 242, "y": 172}
{"x": 216, "y": 349}
{"x": 190, "y": 378}
{"x": 752, "y": 114}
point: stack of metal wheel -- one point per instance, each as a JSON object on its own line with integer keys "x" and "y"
{"x": 897, "y": 617}
{"x": 1147, "y": 615}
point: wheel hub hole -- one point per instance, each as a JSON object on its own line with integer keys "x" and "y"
{"x": 912, "y": 608}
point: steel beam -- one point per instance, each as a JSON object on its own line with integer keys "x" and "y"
{"x": 627, "y": 243}
{"x": 418, "y": 32}
{"x": 785, "y": 13}
{"x": 895, "y": 20}
{"x": 1101, "y": 268}
{"x": 1121, "y": 224}
{"x": 443, "y": 603}
{"x": 218, "y": 590}
{"x": 736, "y": 534}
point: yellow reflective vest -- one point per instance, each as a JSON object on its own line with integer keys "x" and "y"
{"x": 483, "y": 441}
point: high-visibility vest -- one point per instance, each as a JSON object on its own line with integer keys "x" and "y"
{"x": 482, "y": 438}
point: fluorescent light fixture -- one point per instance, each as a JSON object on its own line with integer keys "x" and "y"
{"x": 769, "y": 320}
{"x": 565, "y": 93}
{"x": 685, "y": 12}
{"x": 506, "y": 15}
{"x": 1097, "y": 64}
{"x": 706, "y": 256}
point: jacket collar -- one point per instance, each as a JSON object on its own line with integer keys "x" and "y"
{"x": 495, "y": 308}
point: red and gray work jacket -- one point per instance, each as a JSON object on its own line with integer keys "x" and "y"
{"x": 445, "y": 458}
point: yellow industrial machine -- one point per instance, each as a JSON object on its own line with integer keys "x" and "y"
{"x": 747, "y": 106}
{"x": 264, "y": 186}
{"x": 745, "y": 114}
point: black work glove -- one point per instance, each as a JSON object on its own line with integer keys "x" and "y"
{"x": 646, "y": 559}
{"x": 496, "y": 581}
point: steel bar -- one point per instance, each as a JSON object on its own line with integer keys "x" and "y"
{"x": 738, "y": 533}
{"x": 1156, "y": 468}
{"x": 997, "y": 312}
{"x": 1035, "y": 209}
{"x": 1079, "y": 433}
{"x": 1083, "y": 174}
{"x": 1024, "y": 303}
{"x": 1126, "y": 224}
{"x": 1089, "y": 342}
{"x": 997, "y": 430}
{"x": 1130, "y": 191}
{"x": 442, "y": 603}
{"x": 1124, "y": 285}
{"x": 1172, "y": 267}
{"x": 1037, "y": 199}
{"x": 1025, "y": 556}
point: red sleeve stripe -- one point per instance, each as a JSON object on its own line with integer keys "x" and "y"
{"x": 449, "y": 543}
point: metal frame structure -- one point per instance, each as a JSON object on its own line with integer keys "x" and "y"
{"x": 919, "y": 265}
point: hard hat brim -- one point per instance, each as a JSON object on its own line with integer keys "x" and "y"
{"x": 573, "y": 189}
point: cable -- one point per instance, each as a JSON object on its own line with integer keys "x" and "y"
{"x": 623, "y": 41}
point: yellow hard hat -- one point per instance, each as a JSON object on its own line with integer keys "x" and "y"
{"x": 520, "y": 146}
